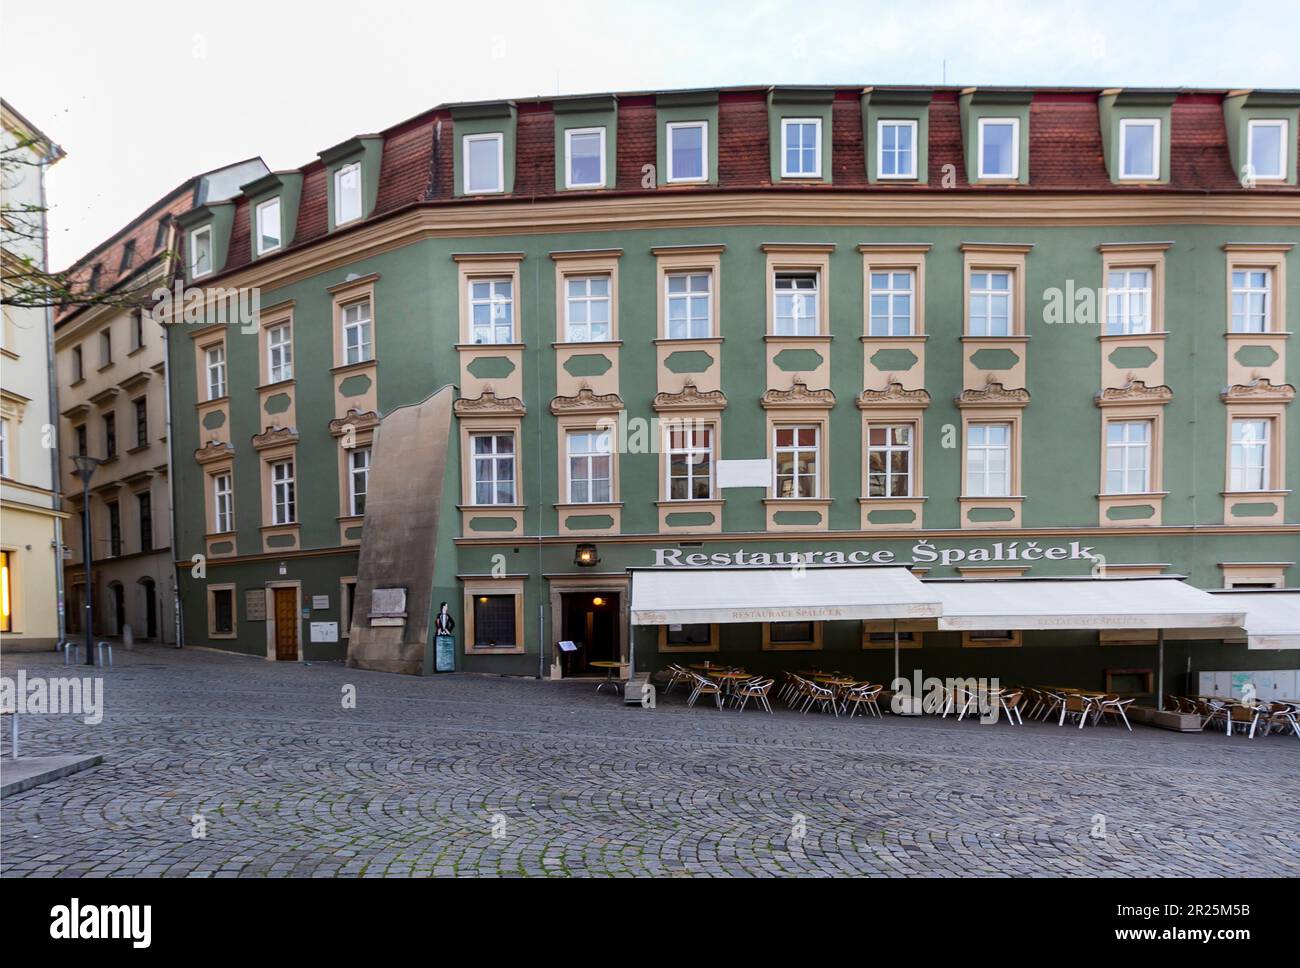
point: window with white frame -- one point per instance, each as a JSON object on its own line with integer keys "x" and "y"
{"x": 796, "y": 295}
{"x": 493, "y": 458}
{"x": 988, "y": 460}
{"x": 896, "y": 149}
{"x": 284, "y": 498}
{"x": 347, "y": 193}
{"x": 889, "y": 460}
{"x": 1249, "y": 470}
{"x": 215, "y": 361}
{"x": 688, "y": 151}
{"x": 1252, "y": 298}
{"x": 1139, "y": 148}
{"x": 892, "y": 303}
{"x": 279, "y": 353}
{"x": 689, "y": 305}
{"x": 801, "y": 147}
{"x": 200, "y": 252}
{"x": 990, "y": 302}
{"x": 1266, "y": 148}
{"x": 492, "y": 310}
{"x": 690, "y": 462}
{"x": 584, "y": 158}
{"x": 797, "y": 450}
{"x": 4, "y": 448}
{"x": 268, "y": 226}
{"x": 590, "y": 467}
{"x": 1128, "y": 456}
{"x": 358, "y": 335}
{"x": 358, "y": 479}
{"x": 483, "y": 163}
{"x": 586, "y": 308}
{"x": 999, "y": 148}
{"x": 1128, "y": 301}
{"x": 223, "y": 504}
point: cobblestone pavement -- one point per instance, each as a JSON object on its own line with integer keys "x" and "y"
{"x": 486, "y": 776}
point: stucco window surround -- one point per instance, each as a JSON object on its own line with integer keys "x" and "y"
{"x": 774, "y": 641}
{"x": 1134, "y": 508}
{"x": 276, "y": 447}
{"x": 350, "y": 293}
{"x": 807, "y": 258}
{"x": 889, "y": 359}
{"x": 812, "y": 106}
{"x": 1254, "y": 574}
{"x": 1126, "y": 357}
{"x": 271, "y": 318}
{"x": 354, "y": 432}
{"x": 671, "y": 510}
{"x": 1258, "y": 405}
{"x": 472, "y": 267}
{"x": 596, "y": 117}
{"x": 212, "y": 593}
{"x": 675, "y": 111}
{"x": 979, "y": 257}
{"x": 981, "y": 107}
{"x": 880, "y": 634}
{"x": 995, "y": 359}
{"x": 1126, "y": 119}
{"x": 213, "y": 472}
{"x": 712, "y": 645}
{"x": 893, "y": 407}
{"x": 363, "y": 153}
{"x": 592, "y": 263}
{"x": 566, "y": 508}
{"x": 1240, "y": 109}
{"x": 473, "y": 123}
{"x": 489, "y": 416}
{"x": 993, "y": 405}
{"x": 1271, "y": 257}
{"x": 799, "y": 407}
{"x": 474, "y": 590}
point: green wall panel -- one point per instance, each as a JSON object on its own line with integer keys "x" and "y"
{"x": 587, "y": 364}
{"x": 1132, "y": 357}
{"x": 1249, "y": 355}
{"x": 688, "y": 361}
{"x": 1001, "y": 359}
{"x": 797, "y": 361}
{"x": 901, "y": 360}
{"x": 491, "y": 367}
{"x": 278, "y": 402}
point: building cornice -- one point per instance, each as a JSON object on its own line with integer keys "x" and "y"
{"x": 690, "y": 397}
{"x": 1258, "y": 391}
{"x": 488, "y": 404}
{"x": 1135, "y": 391}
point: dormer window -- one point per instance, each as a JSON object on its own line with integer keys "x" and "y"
{"x": 688, "y": 151}
{"x": 201, "y": 252}
{"x": 1266, "y": 148}
{"x": 801, "y": 147}
{"x": 268, "y": 226}
{"x": 584, "y": 158}
{"x": 484, "y": 164}
{"x": 1139, "y": 148}
{"x": 896, "y": 149}
{"x": 999, "y": 148}
{"x": 347, "y": 194}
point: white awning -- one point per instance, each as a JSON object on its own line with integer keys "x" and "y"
{"x": 705, "y": 595}
{"x": 1272, "y": 617}
{"x": 1081, "y": 603}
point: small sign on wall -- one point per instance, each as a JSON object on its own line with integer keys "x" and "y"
{"x": 744, "y": 473}
{"x": 255, "y": 605}
{"x": 324, "y": 631}
{"x": 319, "y": 602}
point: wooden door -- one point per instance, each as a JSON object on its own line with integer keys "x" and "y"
{"x": 286, "y": 623}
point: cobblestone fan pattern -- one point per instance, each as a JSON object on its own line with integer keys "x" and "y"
{"x": 467, "y": 775}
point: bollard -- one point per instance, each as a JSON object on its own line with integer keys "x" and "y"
{"x": 99, "y": 654}
{"x": 71, "y": 653}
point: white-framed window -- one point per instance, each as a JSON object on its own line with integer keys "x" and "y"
{"x": 1128, "y": 301}
{"x": 223, "y": 504}
{"x": 889, "y": 460}
{"x": 347, "y": 193}
{"x": 215, "y": 360}
{"x": 586, "y": 308}
{"x": 801, "y": 147}
{"x": 4, "y": 448}
{"x": 493, "y": 457}
{"x": 1250, "y": 458}
{"x": 1266, "y": 148}
{"x": 797, "y": 450}
{"x": 795, "y": 303}
{"x": 284, "y": 497}
{"x": 893, "y": 303}
{"x": 999, "y": 147}
{"x": 896, "y": 149}
{"x": 688, "y": 151}
{"x": 988, "y": 460}
{"x": 279, "y": 353}
{"x": 492, "y": 310}
{"x": 1252, "y": 300}
{"x": 584, "y": 158}
{"x": 1139, "y": 148}
{"x": 1128, "y": 456}
{"x": 590, "y": 467}
{"x": 689, "y": 305}
{"x": 690, "y": 462}
{"x": 990, "y": 302}
{"x": 201, "y": 252}
{"x": 483, "y": 163}
{"x": 358, "y": 334}
{"x": 268, "y": 226}
{"x": 358, "y": 479}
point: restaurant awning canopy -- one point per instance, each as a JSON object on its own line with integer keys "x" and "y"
{"x": 1272, "y": 616}
{"x": 1081, "y": 603}
{"x": 678, "y": 596}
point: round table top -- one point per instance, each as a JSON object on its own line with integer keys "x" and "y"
{"x": 604, "y": 664}
{"x": 734, "y": 674}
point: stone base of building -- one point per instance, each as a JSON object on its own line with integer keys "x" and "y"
{"x": 22, "y": 644}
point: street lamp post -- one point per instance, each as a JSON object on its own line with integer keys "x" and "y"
{"x": 85, "y": 470}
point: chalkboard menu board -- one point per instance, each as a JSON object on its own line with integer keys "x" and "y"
{"x": 255, "y": 605}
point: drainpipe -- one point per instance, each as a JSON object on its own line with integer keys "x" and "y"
{"x": 178, "y": 626}
{"x": 51, "y": 376}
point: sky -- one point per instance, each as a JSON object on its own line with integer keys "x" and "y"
{"x": 142, "y": 94}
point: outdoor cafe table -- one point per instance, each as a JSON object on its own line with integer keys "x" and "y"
{"x": 729, "y": 679}
{"x": 609, "y": 668}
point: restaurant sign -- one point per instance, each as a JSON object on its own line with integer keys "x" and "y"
{"x": 923, "y": 552}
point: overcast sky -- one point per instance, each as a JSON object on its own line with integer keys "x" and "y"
{"x": 144, "y": 93}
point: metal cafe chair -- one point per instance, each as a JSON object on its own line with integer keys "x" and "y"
{"x": 756, "y": 689}
{"x": 1075, "y": 705}
{"x": 1243, "y": 716}
{"x": 1009, "y": 700}
{"x": 1112, "y": 705}
{"x": 867, "y": 695}
{"x": 705, "y": 687}
{"x": 821, "y": 697}
{"x": 676, "y": 674}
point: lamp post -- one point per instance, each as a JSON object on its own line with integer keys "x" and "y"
{"x": 85, "y": 470}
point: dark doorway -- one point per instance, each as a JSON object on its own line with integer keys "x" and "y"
{"x": 590, "y": 620}
{"x": 150, "y": 608}
{"x": 118, "y": 594}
